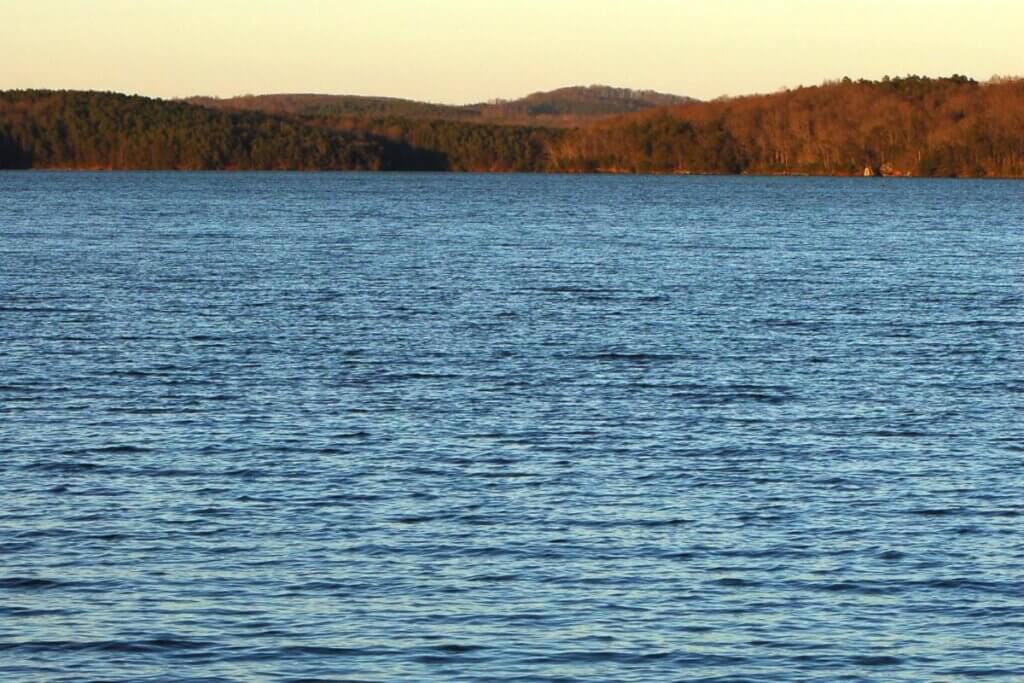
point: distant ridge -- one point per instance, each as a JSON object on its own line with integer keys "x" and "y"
{"x": 561, "y": 107}
{"x": 582, "y": 102}
{"x": 310, "y": 104}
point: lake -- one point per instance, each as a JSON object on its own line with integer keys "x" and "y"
{"x": 371, "y": 427}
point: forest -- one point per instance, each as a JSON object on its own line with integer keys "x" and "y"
{"x": 906, "y": 126}
{"x": 90, "y": 130}
{"x": 910, "y": 126}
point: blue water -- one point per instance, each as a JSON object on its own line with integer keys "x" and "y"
{"x": 510, "y": 428}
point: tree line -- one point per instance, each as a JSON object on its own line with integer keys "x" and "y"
{"x": 897, "y": 126}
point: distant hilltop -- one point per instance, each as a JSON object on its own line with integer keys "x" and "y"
{"x": 906, "y": 126}
{"x": 582, "y": 102}
{"x": 562, "y": 107}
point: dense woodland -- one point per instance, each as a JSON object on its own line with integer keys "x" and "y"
{"x": 898, "y": 126}
{"x": 83, "y": 130}
{"x": 902, "y": 126}
{"x": 453, "y": 145}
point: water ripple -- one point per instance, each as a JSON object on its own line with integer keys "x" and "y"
{"x": 276, "y": 427}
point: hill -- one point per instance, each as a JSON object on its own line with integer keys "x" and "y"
{"x": 562, "y": 107}
{"x": 312, "y": 105}
{"x": 574, "y": 104}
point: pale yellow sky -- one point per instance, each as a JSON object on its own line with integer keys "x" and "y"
{"x": 466, "y": 50}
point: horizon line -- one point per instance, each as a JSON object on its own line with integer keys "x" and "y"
{"x": 995, "y": 78}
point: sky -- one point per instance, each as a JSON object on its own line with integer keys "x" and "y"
{"x": 460, "y": 51}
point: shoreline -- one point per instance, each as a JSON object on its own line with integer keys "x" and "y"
{"x": 609, "y": 173}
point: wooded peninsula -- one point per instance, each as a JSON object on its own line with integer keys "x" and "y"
{"x": 906, "y": 126}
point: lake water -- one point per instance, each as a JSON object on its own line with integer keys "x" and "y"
{"x": 288, "y": 427}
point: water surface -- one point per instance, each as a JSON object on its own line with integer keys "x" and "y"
{"x": 289, "y": 427}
